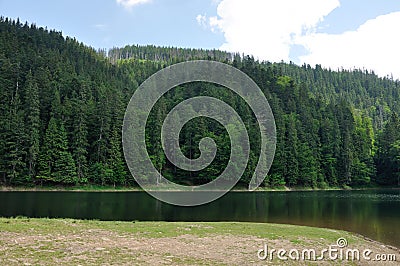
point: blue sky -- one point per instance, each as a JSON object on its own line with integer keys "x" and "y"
{"x": 104, "y": 24}
{"x": 334, "y": 33}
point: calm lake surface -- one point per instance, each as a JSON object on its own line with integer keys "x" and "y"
{"x": 372, "y": 213}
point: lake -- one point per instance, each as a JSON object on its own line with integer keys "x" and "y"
{"x": 372, "y": 213}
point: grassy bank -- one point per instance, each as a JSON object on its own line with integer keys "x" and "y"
{"x": 99, "y": 188}
{"x": 69, "y": 188}
{"x": 77, "y": 242}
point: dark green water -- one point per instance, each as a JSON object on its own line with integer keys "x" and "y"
{"x": 372, "y": 213}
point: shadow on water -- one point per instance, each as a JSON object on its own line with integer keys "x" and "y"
{"x": 373, "y": 213}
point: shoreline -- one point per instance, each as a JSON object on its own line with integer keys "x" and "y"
{"x": 138, "y": 189}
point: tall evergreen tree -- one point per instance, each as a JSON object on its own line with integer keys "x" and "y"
{"x": 32, "y": 124}
{"x": 291, "y": 151}
{"x": 14, "y": 141}
{"x": 116, "y": 165}
{"x": 55, "y": 162}
{"x": 79, "y": 129}
{"x": 387, "y": 153}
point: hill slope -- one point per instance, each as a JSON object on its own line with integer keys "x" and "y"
{"x": 62, "y": 105}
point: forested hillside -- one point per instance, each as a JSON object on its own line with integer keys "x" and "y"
{"x": 62, "y": 105}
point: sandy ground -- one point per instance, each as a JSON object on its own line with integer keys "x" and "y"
{"x": 110, "y": 248}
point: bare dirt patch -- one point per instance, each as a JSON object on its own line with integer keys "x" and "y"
{"x": 94, "y": 246}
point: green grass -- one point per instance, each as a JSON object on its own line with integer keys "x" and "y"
{"x": 106, "y": 188}
{"x": 171, "y": 229}
{"x": 67, "y": 241}
{"x": 88, "y": 187}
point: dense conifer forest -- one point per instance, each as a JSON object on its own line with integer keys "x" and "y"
{"x": 62, "y": 105}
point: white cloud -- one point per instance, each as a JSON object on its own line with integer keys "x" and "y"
{"x": 267, "y": 28}
{"x": 202, "y": 20}
{"x": 100, "y": 26}
{"x": 128, "y": 4}
{"x": 374, "y": 45}
{"x": 215, "y": 2}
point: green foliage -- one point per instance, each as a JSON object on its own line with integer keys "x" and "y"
{"x": 32, "y": 124}
{"x": 14, "y": 141}
{"x": 62, "y": 105}
{"x": 388, "y": 153}
{"x": 55, "y": 162}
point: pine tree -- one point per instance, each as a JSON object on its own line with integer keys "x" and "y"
{"x": 117, "y": 175}
{"x": 32, "y": 123}
{"x": 330, "y": 139}
{"x": 79, "y": 129}
{"x": 387, "y": 153}
{"x": 394, "y": 153}
{"x": 346, "y": 156}
{"x": 276, "y": 175}
{"x": 308, "y": 168}
{"x": 56, "y": 163}
{"x": 291, "y": 151}
{"x": 14, "y": 141}
{"x": 363, "y": 141}
{"x": 7, "y": 86}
